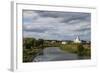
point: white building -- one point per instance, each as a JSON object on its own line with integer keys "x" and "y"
{"x": 77, "y": 40}
{"x": 63, "y": 42}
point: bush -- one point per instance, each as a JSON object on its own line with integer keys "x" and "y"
{"x": 80, "y": 50}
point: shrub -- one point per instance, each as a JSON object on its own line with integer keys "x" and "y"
{"x": 80, "y": 50}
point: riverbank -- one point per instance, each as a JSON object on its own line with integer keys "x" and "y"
{"x": 33, "y": 47}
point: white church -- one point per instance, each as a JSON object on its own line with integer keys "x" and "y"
{"x": 77, "y": 40}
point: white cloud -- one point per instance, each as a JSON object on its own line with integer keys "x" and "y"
{"x": 58, "y": 25}
{"x": 29, "y": 14}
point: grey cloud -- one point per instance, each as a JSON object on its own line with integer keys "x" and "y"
{"x": 58, "y": 25}
{"x": 35, "y": 30}
{"x": 76, "y": 18}
{"x": 83, "y": 29}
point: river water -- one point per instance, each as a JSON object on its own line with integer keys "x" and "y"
{"x": 55, "y": 54}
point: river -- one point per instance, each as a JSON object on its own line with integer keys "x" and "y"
{"x": 54, "y": 54}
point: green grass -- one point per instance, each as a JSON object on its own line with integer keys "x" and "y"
{"x": 29, "y": 54}
{"x": 73, "y": 48}
{"x": 68, "y": 48}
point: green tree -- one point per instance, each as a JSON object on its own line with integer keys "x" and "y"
{"x": 28, "y": 43}
{"x": 40, "y": 43}
{"x": 80, "y": 50}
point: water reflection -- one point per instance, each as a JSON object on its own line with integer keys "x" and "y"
{"x": 55, "y": 54}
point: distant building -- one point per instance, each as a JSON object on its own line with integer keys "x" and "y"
{"x": 63, "y": 42}
{"x": 77, "y": 40}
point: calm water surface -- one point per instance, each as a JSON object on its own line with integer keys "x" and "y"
{"x": 55, "y": 54}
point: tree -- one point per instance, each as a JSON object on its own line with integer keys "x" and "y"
{"x": 40, "y": 43}
{"x": 28, "y": 43}
{"x": 80, "y": 50}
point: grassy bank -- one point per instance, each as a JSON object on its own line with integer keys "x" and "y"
{"x": 79, "y": 49}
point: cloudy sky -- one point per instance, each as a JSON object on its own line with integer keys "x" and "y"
{"x": 56, "y": 25}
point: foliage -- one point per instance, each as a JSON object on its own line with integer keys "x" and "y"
{"x": 31, "y": 47}
{"x": 80, "y": 50}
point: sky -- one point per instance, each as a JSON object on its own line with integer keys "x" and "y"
{"x": 56, "y": 25}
